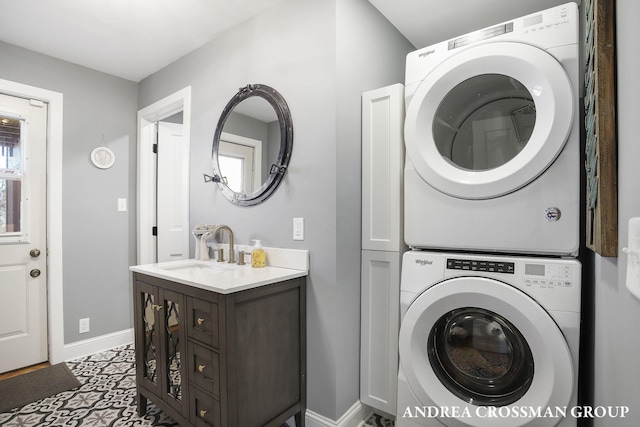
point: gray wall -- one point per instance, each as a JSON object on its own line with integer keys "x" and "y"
{"x": 290, "y": 48}
{"x": 98, "y": 241}
{"x": 617, "y": 312}
{"x": 320, "y": 57}
{"x": 370, "y": 54}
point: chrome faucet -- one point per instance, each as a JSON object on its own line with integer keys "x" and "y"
{"x": 232, "y": 256}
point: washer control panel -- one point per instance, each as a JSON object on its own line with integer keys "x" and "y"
{"x": 481, "y": 265}
{"x": 548, "y": 275}
{"x": 533, "y": 274}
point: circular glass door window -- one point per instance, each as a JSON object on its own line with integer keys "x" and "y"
{"x": 480, "y": 357}
{"x": 484, "y": 122}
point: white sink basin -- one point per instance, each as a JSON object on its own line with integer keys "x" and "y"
{"x": 225, "y": 278}
{"x": 195, "y": 266}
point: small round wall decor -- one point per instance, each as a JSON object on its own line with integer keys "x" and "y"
{"x": 102, "y": 157}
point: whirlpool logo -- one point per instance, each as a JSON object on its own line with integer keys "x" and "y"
{"x": 426, "y": 53}
{"x": 424, "y": 262}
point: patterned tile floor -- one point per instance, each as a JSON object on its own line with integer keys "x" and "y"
{"x": 376, "y": 420}
{"x": 106, "y": 397}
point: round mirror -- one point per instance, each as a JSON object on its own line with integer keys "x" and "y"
{"x": 252, "y": 145}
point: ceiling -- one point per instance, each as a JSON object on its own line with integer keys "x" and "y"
{"x": 126, "y": 38}
{"x": 135, "y": 38}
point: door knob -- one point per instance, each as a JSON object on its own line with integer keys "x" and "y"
{"x": 34, "y": 253}
{"x": 35, "y": 272}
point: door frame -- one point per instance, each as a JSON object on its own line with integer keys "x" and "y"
{"x": 172, "y": 104}
{"x": 55, "y": 311}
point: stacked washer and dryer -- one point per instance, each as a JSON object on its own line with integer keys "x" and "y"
{"x": 491, "y": 289}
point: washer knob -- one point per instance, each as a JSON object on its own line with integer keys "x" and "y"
{"x": 552, "y": 214}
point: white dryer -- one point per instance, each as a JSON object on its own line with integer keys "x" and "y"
{"x": 492, "y": 138}
{"x": 488, "y": 340}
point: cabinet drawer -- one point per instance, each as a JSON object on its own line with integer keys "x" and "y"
{"x": 205, "y": 410}
{"x": 203, "y": 321}
{"x": 204, "y": 368}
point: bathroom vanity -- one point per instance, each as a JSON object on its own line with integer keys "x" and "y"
{"x": 222, "y": 344}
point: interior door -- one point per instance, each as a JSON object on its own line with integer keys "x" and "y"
{"x": 173, "y": 193}
{"x": 23, "y": 251}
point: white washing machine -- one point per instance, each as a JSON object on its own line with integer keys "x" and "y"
{"x": 488, "y": 340}
{"x": 492, "y": 138}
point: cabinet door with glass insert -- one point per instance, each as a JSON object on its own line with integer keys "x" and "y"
{"x": 147, "y": 309}
{"x": 173, "y": 349}
{"x": 161, "y": 362}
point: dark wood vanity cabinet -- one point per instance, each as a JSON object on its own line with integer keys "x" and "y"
{"x": 221, "y": 360}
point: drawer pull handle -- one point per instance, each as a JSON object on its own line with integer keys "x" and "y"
{"x": 199, "y": 320}
{"x": 203, "y": 413}
{"x": 201, "y": 368}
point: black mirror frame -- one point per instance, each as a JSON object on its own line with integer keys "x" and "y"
{"x": 278, "y": 169}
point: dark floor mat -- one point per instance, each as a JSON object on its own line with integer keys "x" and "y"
{"x": 23, "y": 389}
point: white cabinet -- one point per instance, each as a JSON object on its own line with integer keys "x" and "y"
{"x": 382, "y": 244}
{"x": 380, "y": 320}
{"x": 382, "y": 168}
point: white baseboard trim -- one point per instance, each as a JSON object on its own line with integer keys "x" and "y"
{"x": 97, "y": 344}
{"x": 354, "y": 417}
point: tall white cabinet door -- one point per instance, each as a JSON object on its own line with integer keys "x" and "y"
{"x": 382, "y": 244}
{"x": 382, "y": 168}
{"x": 380, "y": 323}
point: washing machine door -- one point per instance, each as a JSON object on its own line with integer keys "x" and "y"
{"x": 489, "y": 119}
{"x": 474, "y": 344}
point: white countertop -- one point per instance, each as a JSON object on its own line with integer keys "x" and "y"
{"x": 226, "y": 278}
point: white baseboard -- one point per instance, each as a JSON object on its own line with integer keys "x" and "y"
{"x": 354, "y": 417}
{"x": 97, "y": 344}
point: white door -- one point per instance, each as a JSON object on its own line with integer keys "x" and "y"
{"x": 172, "y": 193}
{"x": 489, "y": 120}
{"x": 23, "y": 250}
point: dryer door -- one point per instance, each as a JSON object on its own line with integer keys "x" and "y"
{"x": 474, "y": 343}
{"x": 489, "y": 120}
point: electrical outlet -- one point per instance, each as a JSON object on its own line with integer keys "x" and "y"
{"x": 298, "y": 228}
{"x": 122, "y": 205}
{"x": 84, "y": 326}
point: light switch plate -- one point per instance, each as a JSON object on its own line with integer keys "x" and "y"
{"x": 122, "y": 205}
{"x": 298, "y": 228}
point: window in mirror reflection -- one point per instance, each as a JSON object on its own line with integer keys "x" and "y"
{"x": 239, "y": 160}
{"x": 233, "y": 172}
